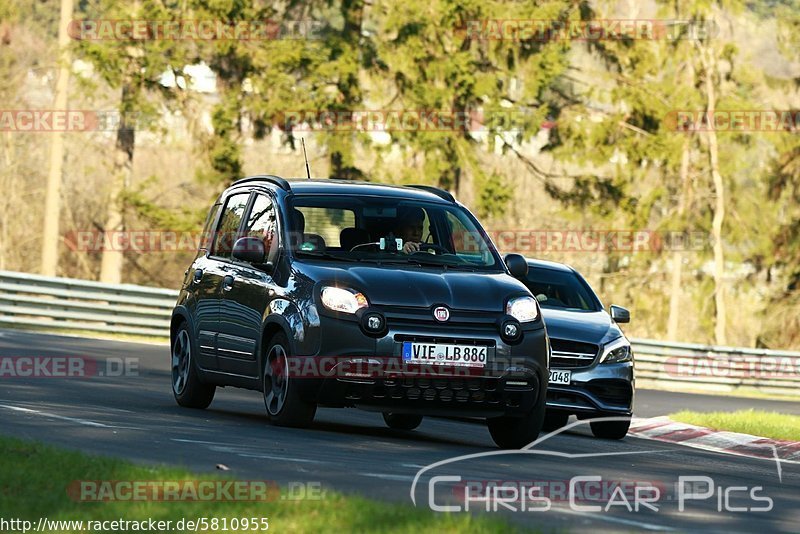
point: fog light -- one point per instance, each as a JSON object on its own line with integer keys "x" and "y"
{"x": 510, "y": 331}
{"x": 373, "y": 323}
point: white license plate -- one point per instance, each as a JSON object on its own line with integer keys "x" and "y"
{"x": 558, "y": 376}
{"x": 434, "y": 353}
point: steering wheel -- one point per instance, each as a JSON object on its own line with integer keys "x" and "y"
{"x": 360, "y": 245}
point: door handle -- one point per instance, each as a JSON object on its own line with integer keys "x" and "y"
{"x": 198, "y": 275}
{"x": 227, "y": 283}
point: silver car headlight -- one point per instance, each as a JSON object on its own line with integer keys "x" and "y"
{"x": 618, "y": 351}
{"x": 523, "y": 309}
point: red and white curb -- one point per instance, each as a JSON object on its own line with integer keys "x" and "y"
{"x": 666, "y": 430}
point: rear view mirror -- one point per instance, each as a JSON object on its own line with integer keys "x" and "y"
{"x": 517, "y": 265}
{"x": 620, "y": 314}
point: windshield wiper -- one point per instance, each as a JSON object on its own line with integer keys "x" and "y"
{"x": 326, "y": 255}
{"x": 421, "y": 260}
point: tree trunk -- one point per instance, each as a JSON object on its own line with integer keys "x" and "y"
{"x": 677, "y": 256}
{"x": 7, "y": 183}
{"x": 342, "y": 163}
{"x": 113, "y": 257}
{"x": 720, "y": 338}
{"x": 52, "y": 204}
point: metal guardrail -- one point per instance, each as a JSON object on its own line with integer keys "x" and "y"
{"x": 62, "y": 304}
{"x": 716, "y": 368}
{"x": 47, "y": 303}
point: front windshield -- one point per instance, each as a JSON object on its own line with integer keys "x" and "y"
{"x": 561, "y": 290}
{"x": 388, "y": 230}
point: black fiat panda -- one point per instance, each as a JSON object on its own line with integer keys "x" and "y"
{"x": 349, "y": 294}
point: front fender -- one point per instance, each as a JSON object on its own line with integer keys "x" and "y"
{"x": 301, "y": 327}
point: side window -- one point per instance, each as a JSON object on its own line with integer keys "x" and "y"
{"x": 323, "y": 226}
{"x": 229, "y": 224}
{"x": 206, "y": 237}
{"x": 262, "y": 223}
{"x": 466, "y": 243}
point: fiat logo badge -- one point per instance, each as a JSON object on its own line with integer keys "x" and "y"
{"x": 441, "y": 313}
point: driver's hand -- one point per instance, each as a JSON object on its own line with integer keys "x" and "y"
{"x": 410, "y": 247}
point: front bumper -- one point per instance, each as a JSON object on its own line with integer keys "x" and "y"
{"x": 512, "y": 383}
{"x": 602, "y": 389}
{"x": 443, "y": 396}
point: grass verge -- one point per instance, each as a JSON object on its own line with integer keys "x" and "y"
{"x": 34, "y": 482}
{"x": 758, "y": 423}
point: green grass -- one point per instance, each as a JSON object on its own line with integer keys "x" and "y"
{"x": 758, "y": 423}
{"x": 34, "y": 479}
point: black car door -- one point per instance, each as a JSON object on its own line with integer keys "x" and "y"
{"x": 208, "y": 277}
{"x": 246, "y": 293}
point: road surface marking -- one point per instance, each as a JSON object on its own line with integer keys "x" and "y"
{"x": 54, "y": 416}
{"x": 611, "y": 519}
{"x": 281, "y": 458}
{"x": 243, "y": 452}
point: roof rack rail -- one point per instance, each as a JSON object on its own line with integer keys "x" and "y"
{"x": 441, "y": 193}
{"x": 277, "y": 180}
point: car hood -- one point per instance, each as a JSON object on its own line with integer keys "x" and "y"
{"x": 412, "y": 286}
{"x": 587, "y": 327}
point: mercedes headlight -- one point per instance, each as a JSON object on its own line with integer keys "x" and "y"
{"x": 343, "y": 300}
{"x": 523, "y": 309}
{"x": 617, "y": 351}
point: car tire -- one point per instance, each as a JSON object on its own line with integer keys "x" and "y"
{"x": 554, "y": 421}
{"x": 402, "y": 421}
{"x": 510, "y": 432}
{"x": 187, "y": 387}
{"x": 282, "y": 399}
{"x": 610, "y": 429}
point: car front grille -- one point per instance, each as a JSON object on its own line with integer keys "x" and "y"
{"x": 480, "y": 323}
{"x": 568, "y": 354}
{"x": 445, "y": 340}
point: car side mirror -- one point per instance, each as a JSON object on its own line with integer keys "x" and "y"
{"x": 251, "y": 250}
{"x": 620, "y": 314}
{"x": 517, "y": 265}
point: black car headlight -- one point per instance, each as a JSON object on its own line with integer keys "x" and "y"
{"x": 617, "y": 351}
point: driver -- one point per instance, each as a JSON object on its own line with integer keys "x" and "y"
{"x": 410, "y": 227}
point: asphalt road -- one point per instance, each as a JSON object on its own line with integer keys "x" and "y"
{"x": 134, "y": 416}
